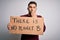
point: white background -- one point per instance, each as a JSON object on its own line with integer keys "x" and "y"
{"x": 49, "y": 9}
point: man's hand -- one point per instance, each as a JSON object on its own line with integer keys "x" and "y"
{"x": 33, "y": 15}
{"x": 9, "y": 26}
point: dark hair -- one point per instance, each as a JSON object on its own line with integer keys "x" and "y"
{"x": 32, "y": 2}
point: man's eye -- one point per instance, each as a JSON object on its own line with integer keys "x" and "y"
{"x": 33, "y": 7}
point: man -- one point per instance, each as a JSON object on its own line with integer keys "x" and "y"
{"x": 32, "y": 7}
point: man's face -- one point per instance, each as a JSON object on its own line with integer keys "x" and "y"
{"x": 32, "y": 8}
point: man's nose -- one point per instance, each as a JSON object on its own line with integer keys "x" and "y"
{"x": 32, "y": 9}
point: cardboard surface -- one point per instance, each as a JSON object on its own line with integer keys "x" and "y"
{"x": 26, "y": 25}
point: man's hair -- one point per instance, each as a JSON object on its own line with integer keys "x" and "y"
{"x": 32, "y": 2}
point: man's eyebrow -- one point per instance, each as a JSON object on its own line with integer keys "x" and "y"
{"x": 29, "y": 6}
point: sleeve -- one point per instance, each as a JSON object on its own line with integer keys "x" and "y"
{"x": 44, "y": 28}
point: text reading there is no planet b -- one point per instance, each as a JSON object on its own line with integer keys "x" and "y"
{"x": 26, "y": 25}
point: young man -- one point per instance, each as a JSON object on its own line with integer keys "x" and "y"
{"x": 32, "y": 7}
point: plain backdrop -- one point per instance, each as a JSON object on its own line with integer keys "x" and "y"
{"x": 49, "y": 9}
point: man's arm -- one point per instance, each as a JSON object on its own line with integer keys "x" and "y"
{"x": 44, "y": 28}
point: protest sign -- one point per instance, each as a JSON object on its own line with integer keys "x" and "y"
{"x": 26, "y": 25}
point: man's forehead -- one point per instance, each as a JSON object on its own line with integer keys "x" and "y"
{"x": 32, "y": 5}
